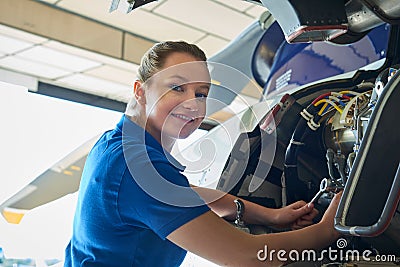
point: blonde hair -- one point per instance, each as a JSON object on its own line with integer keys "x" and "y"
{"x": 153, "y": 60}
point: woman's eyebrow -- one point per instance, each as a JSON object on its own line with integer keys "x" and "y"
{"x": 186, "y": 80}
{"x": 180, "y": 78}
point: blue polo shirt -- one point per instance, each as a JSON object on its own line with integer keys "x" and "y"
{"x": 131, "y": 197}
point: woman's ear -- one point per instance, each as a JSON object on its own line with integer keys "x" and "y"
{"x": 138, "y": 91}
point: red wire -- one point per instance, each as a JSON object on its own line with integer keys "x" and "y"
{"x": 320, "y": 97}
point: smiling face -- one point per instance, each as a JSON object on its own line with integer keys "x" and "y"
{"x": 176, "y": 97}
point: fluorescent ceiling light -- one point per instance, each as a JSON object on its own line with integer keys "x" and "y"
{"x": 93, "y": 56}
{"x": 59, "y": 59}
{"x": 33, "y": 68}
{"x": 113, "y": 74}
{"x": 9, "y": 45}
{"x": 212, "y": 43}
{"x": 97, "y": 86}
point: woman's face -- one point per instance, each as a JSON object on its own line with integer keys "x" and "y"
{"x": 176, "y": 97}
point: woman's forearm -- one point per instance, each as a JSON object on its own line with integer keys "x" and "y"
{"x": 223, "y": 205}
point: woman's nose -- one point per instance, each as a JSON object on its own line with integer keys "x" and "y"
{"x": 191, "y": 104}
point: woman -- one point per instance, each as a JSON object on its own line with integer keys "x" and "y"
{"x": 135, "y": 208}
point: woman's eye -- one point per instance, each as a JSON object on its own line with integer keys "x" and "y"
{"x": 201, "y": 96}
{"x": 176, "y": 87}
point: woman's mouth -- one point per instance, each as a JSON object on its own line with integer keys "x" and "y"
{"x": 187, "y": 119}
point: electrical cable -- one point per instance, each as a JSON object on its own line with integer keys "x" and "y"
{"x": 329, "y": 102}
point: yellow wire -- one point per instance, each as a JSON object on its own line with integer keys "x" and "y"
{"x": 349, "y": 92}
{"x": 329, "y": 102}
{"x": 322, "y": 109}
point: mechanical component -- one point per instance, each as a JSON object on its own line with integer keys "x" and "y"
{"x": 326, "y": 186}
{"x": 345, "y": 129}
{"x": 337, "y": 136}
{"x": 336, "y": 160}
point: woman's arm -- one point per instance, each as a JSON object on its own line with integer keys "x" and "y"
{"x": 214, "y": 239}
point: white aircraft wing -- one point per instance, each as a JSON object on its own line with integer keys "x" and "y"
{"x": 61, "y": 179}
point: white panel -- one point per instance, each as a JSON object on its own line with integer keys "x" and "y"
{"x": 139, "y": 21}
{"x": 21, "y": 35}
{"x": 97, "y": 8}
{"x": 93, "y": 56}
{"x": 93, "y": 85}
{"x": 33, "y": 68}
{"x": 256, "y": 11}
{"x": 18, "y": 79}
{"x": 211, "y": 44}
{"x": 207, "y": 16}
{"x": 114, "y": 74}
{"x": 9, "y": 45}
{"x": 240, "y": 5}
{"x": 153, "y": 5}
{"x": 59, "y": 59}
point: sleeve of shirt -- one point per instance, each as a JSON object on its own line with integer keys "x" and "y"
{"x": 155, "y": 194}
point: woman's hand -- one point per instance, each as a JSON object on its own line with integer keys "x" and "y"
{"x": 295, "y": 216}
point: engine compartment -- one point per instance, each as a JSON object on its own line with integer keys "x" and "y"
{"x": 319, "y": 131}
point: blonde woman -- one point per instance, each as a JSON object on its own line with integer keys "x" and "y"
{"x": 136, "y": 208}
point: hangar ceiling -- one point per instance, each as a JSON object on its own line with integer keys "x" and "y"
{"x": 79, "y": 45}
